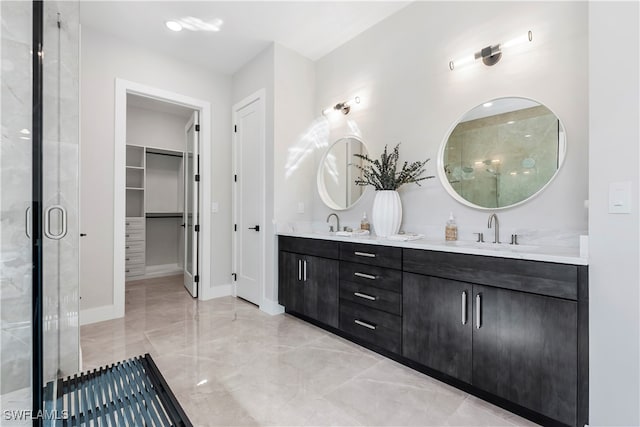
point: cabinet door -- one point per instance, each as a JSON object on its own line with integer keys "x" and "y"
{"x": 436, "y": 326}
{"x": 525, "y": 350}
{"x": 321, "y": 289}
{"x": 290, "y": 285}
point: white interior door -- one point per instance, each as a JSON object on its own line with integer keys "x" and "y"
{"x": 191, "y": 206}
{"x": 249, "y": 203}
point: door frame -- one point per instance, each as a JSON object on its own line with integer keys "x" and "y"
{"x": 259, "y": 95}
{"x": 122, "y": 88}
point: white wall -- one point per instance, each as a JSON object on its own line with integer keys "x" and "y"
{"x": 155, "y": 129}
{"x": 258, "y": 74}
{"x": 400, "y": 70}
{"x": 289, "y": 82}
{"x": 614, "y": 278}
{"x": 104, "y": 59}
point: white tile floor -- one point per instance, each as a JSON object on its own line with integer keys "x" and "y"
{"x": 230, "y": 364}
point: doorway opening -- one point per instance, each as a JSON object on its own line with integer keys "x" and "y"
{"x": 163, "y": 166}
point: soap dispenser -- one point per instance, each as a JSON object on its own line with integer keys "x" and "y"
{"x": 364, "y": 223}
{"x": 451, "y": 230}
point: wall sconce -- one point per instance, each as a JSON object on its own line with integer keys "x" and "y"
{"x": 343, "y": 107}
{"x": 491, "y": 54}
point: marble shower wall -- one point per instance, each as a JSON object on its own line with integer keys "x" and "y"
{"x": 15, "y": 196}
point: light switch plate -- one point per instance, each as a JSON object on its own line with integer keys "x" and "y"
{"x": 620, "y": 197}
{"x": 300, "y": 207}
{"x": 214, "y": 207}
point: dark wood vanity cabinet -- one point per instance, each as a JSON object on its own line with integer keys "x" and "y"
{"x": 437, "y": 325}
{"x": 525, "y": 349}
{"x": 308, "y": 284}
{"x": 512, "y": 331}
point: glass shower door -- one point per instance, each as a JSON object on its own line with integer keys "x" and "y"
{"x": 38, "y": 202}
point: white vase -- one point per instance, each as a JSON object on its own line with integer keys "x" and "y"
{"x": 387, "y": 213}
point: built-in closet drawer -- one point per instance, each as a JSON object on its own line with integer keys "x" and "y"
{"x": 134, "y": 271}
{"x": 373, "y": 297}
{"x": 371, "y": 275}
{"x": 135, "y": 247}
{"x": 132, "y": 224}
{"x": 382, "y": 256}
{"x": 374, "y": 326}
{"x": 134, "y": 260}
{"x": 134, "y": 235}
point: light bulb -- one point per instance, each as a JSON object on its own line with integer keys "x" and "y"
{"x": 173, "y": 25}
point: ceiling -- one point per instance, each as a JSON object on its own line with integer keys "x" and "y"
{"x": 310, "y": 28}
{"x": 159, "y": 106}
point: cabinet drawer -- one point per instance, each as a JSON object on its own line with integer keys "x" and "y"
{"x": 383, "y": 256}
{"x": 317, "y": 247}
{"x": 544, "y": 278}
{"x": 371, "y": 275}
{"x": 134, "y": 271}
{"x": 134, "y": 223}
{"x": 134, "y": 247}
{"x": 377, "y": 298}
{"x": 134, "y": 260}
{"x": 377, "y": 327}
{"x": 133, "y": 236}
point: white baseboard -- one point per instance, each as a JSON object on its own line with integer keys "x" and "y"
{"x": 98, "y": 314}
{"x": 219, "y": 291}
{"x": 271, "y": 307}
{"x": 153, "y": 271}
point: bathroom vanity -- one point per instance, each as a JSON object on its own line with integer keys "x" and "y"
{"x": 507, "y": 325}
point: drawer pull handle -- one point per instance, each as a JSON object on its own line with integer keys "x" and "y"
{"x": 365, "y": 276}
{"x": 365, "y": 324}
{"x": 478, "y": 311}
{"x": 365, "y": 296}
{"x": 464, "y": 307}
{"x": 366, "y": 254}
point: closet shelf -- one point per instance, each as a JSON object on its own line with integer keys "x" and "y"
{"x": 135, "y": 167}
{"x": 164, "y": 214}
{"x": 135, "y": 188}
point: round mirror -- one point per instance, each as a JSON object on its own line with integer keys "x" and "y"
{"x": 337, "y": 173}
{"x": 502, "y": 153}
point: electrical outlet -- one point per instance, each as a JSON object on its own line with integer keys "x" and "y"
{"x": 214, "y": 207}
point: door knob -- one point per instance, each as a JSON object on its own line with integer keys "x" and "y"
{"x": 83, "y": 234}
{"x": 257, "y": 228}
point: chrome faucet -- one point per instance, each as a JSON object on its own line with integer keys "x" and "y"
{"x": 337, "y": 221}
{"x": 497, "y": 235}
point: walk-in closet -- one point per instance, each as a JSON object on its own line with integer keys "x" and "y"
{"x": 158, "y": 160}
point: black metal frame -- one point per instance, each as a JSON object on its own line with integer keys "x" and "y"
{"x": 36, "y": 209}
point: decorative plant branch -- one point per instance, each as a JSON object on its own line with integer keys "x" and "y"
{"x": 383, "y": 175}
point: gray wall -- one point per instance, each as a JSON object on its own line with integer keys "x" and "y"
{"x": 400, "y": 69}
{"x": 614, "y": 278}
{"x": 105, "y": 58}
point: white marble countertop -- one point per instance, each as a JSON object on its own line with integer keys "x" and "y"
{"x": 557, "y": 254}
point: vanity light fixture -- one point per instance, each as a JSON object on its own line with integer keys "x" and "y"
{"x": 491, "y": 54}
{"x": 343, "y": 107}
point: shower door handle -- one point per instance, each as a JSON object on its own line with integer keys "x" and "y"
{"x": 27, "y": 222}
{"x": 47, "y": 222}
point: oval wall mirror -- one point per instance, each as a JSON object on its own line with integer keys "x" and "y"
{"x": 502, "y": 153}
{"x": 337, "y": 173}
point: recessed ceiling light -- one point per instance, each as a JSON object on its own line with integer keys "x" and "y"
{"x": 173, "y": 25}
{"x": 25, "y": 131}
{"x": 487, "y": 104}
{"x": 510, "y": 122}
